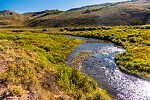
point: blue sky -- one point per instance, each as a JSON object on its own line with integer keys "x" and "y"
{"x": 22, "y": 6}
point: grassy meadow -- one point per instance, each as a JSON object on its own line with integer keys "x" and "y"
{"x": 32, "y": 60}
{"x": 32, "y": 66}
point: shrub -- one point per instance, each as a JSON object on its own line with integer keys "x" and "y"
{"x": 132, "y": 39}
{"x": 62, "y": 29}
{"x": 73, "y": 79}
{"x": 16, "y": 90}
{"x": 44, "y": 30}
{"x": 17, "y": 30}
{"x": 147, "y": 27}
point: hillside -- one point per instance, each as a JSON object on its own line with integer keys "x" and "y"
{"x": 8, "y": 17}
{"x": 122, "y": 13}
{"x": 39, "y": 14}
{"x": 134, "y": 12}
{"x": 11, "y": 18}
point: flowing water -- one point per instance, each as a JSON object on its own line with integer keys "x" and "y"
{"x": 99, "y": 64}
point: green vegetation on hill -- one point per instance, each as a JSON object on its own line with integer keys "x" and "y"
{"x": 135, "y": 39}
{"x": 32, "y": 67}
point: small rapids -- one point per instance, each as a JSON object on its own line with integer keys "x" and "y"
{"x": 100, "y": 65}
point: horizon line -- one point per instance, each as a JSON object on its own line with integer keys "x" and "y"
{"x": 66, "y": 9}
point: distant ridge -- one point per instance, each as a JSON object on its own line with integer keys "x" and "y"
{"x": 55, "y": 11}
{"x": 97, "y": 5}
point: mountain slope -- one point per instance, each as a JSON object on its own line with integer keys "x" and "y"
{"x": 122, "y": 13}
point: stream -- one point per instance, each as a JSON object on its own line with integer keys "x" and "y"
{"x": 95, "y": 58}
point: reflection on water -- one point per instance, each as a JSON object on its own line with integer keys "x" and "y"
{"x": 100, "y": 66}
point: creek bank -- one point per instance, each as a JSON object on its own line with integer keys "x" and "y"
{"x": 96, "y": 59}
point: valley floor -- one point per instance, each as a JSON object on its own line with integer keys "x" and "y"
{"x": 32, "y": 61}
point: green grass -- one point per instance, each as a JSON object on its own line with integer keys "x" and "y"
{"x": 35, "y": 63}
{"x": 135, "y": 39}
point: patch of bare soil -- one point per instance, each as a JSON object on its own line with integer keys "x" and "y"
{"x": 5, "y": 61}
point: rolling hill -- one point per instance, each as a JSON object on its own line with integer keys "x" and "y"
{"x": 10, "y": 18}
{"x": 134, "y": 12}
{"x": 121, "y": 13}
